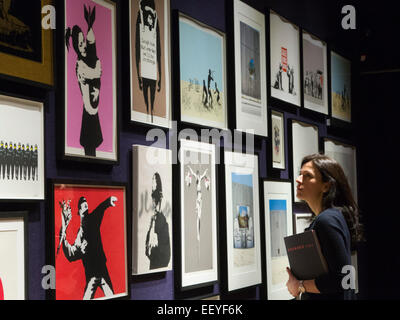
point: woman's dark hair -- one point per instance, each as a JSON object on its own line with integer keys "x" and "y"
{"x": 339, "y": 194}
{"x": 157, "y": 194}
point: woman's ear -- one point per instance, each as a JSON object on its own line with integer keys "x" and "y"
{"x": 326, "y": 187}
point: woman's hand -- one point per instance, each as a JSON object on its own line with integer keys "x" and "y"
{"x": 292, "y": 284}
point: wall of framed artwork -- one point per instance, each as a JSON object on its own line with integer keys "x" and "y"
{"x": 150, "y": 60}
{"x": 90, "y": 81}
{"x": 14, "y": 255}
{"x": 243, "y": 237}
{"x": 278, "y": 224}
{"x": 285, "y": 60}
{"x": 198, "y": 265}
{"x": 88, "y": 224}
{"x": 202, "y": 74}
{"x": 22, "y": 149}
{"x": 152, "y": 210}
{"x": 26, "y": 49}
{"x": 250, "y": 66}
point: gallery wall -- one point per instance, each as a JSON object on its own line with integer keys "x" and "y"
{"x": 319, "y": 18}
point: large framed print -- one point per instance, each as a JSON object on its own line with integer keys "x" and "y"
{"x": 346, "y": 156}
{"x": 90, "y": 80}
{"x": 13, "y": 256}
{"x": 278, "y": 139}
{"x": 88, "y": 242}
{"x": 305, "y": 141}
{"x": 285, "y": 60}
{"x": 21, "y": 149}
{"x": 150, "y": 61}
{"x": 26, "y": 44}
{"x": 250, "y": 66}
{"x": 315, "y": 74}
{"x": 242, "y": 220}
{"x": 340, "y": 87}
{"x": 198, "y": 220}
{"x": 152, "y": 210}
{"x": 202, "y": 74}
{"x": 278, "y": 224}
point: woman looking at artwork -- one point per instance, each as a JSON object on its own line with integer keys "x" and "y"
{"x": 323, "y": 185}
{"x": 88, "y": 72}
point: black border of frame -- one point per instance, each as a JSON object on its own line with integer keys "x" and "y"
{"x": 38, "y": 96}
{"x": 60, "y": 89}
{"x": 281, "y": 104}
{"x": 50, "y": 257}
{"x": 25, "y": 217}
{"x": 204, "y": 288}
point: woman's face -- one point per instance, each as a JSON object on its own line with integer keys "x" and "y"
{"x": 82, "y": 44}
{"x": 310, "y": 186}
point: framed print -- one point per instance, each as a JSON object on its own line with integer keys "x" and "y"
{"x": 346, "y": 156}
{"x": 340, "y": 87}
{"x": 315, "y": 74}
{"x": 150, "y": 61}
{"x": 301, "y": 222}
{"x": 285, "y": 60}
{"x": 250, "y": 66}
{"x": 152, "y": 210}
{"x": 202, "y": 81}
{"x": 278, "y": 140}
{"x": 21, "y": 149}
{"x": 90, "y": 115}
{"x": 278, "y": 224}
{"x": 26, "y": 48}
{"x": 198, "y": 221}
{"x": 13, "y": 256}
{"x": 242, "y": 220}
{"x": 305, "y": 141}
{"x": 89, "y": 241}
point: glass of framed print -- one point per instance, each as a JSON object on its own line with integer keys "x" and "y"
{"x": 278, "y": 140}
{"x": 346, "y": 156}
{"x": 315, "y": 74}
{"x": 21, "y": 149}
{"x": 26, "y": 48}
{"x": 242, "y": 220}
{"x": 89, "y": 226}
{"x": 278, "y": 224}
{"x": 13, "y": 255}
{"x": 202, "y": 76}
{"x": 152, "y": 210}
{"x": 198, "y": 221}
{"x": 90, "y": 80}
{"x": 250, "y": 66}
{"x": 340, "y": 87}
{"x": 301, "y": 221}
{"x": 304, "y": 141}
{"x": 150, "y": 61}
{"x": 285, "y": 60}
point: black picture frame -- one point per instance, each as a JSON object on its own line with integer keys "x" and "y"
{"x": 275, "y": 171}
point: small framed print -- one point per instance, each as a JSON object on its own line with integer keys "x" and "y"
{"x": 198, "y": 245}
{"x": 285, "y": 76}
{"x": 150, "y": 62}
{"x": 26, "y": 47}
{"x": 250, "y": 66}
{"x": 90, "y": 80}
{"x": 315, "y": 74}
{"x": 278, "y": 224}
{"x": 202, "y": 74}
{"x": 242, "y": 221}
{"x": 88, "y": 240}
{"x": 301, "y": 222}
{"x": 340, "y": 87}
{"x": 13, "y": 255}
{"x": 21, "y": 149}
{"x": 278, "y": 140}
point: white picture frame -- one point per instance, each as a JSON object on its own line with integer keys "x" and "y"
{"x": 199, "y": 241}
{"x": 278, "y": 224}
{"x": 301, "y": 222}
{"x": 242, "y": 233}
{"x": 22, "y": 167}
{"x": 250, "y": 66}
